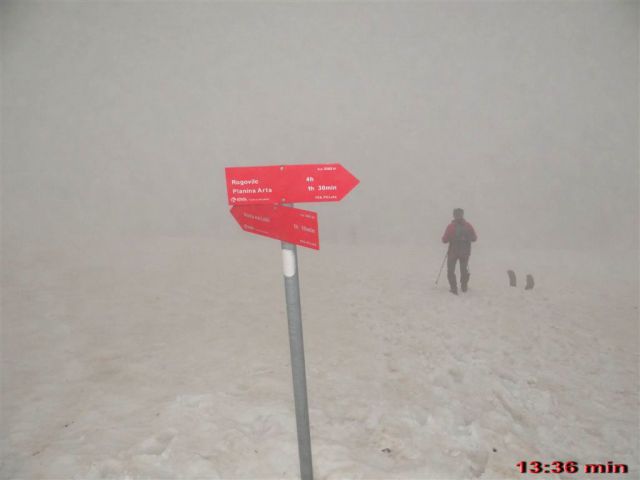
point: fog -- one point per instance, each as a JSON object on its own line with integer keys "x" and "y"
{"x": 119, "y": 118}
{"x": 144, "y": 333}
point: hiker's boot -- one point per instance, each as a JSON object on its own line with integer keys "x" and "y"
{"x": 464, "y": 281}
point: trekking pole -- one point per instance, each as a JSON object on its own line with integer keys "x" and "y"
{"x": 442, "y": 266}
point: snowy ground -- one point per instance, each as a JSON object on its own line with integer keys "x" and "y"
{"x": 169, "y": 359}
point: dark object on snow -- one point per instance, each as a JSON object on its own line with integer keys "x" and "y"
{"x": 530, "y": 283}
{"x": 386, "y": 450}
{"x": 495, "y": 450}
{"x": 512, "y": 278}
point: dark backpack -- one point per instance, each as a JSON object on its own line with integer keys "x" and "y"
{"x": 461, "y": 234}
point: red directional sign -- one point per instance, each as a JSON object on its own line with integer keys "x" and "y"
{"x": 289, "y": 224}
{"x": 327, "y": 182}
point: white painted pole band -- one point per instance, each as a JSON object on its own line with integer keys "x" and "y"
{"x": 288, "y": 263}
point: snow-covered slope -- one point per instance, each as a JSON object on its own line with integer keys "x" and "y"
{"x": 169, "y": 358}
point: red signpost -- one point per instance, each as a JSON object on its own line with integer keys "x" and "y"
{"x": 257, "y": 195}
{"x": 288, "y": 224}
{"x": 327, "y": 182}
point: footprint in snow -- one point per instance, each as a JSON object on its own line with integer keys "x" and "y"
{"x": 155, "y": 445}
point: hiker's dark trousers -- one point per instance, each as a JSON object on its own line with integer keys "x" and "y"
{"x": 464, "y": 271}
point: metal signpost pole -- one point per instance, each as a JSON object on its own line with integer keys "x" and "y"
{"x": 294, "y": 318}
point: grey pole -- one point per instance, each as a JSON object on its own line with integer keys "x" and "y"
{"x": 442, "y": 266}
{"x": 294, "y": 318}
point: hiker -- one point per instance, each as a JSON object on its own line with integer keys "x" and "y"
{"x": 459, "y": 235}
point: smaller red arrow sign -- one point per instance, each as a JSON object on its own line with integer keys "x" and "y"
{"x": 324, "y": 182}
{"x": 288, "y": 224}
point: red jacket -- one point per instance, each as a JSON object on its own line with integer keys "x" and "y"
{"x": 459, "y": 236}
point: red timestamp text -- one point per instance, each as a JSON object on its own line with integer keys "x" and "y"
{"x": 558, "y": 467}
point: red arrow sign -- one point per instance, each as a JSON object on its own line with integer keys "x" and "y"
{"x": 283, "y": 223}
{"x": 328, "y": 182}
